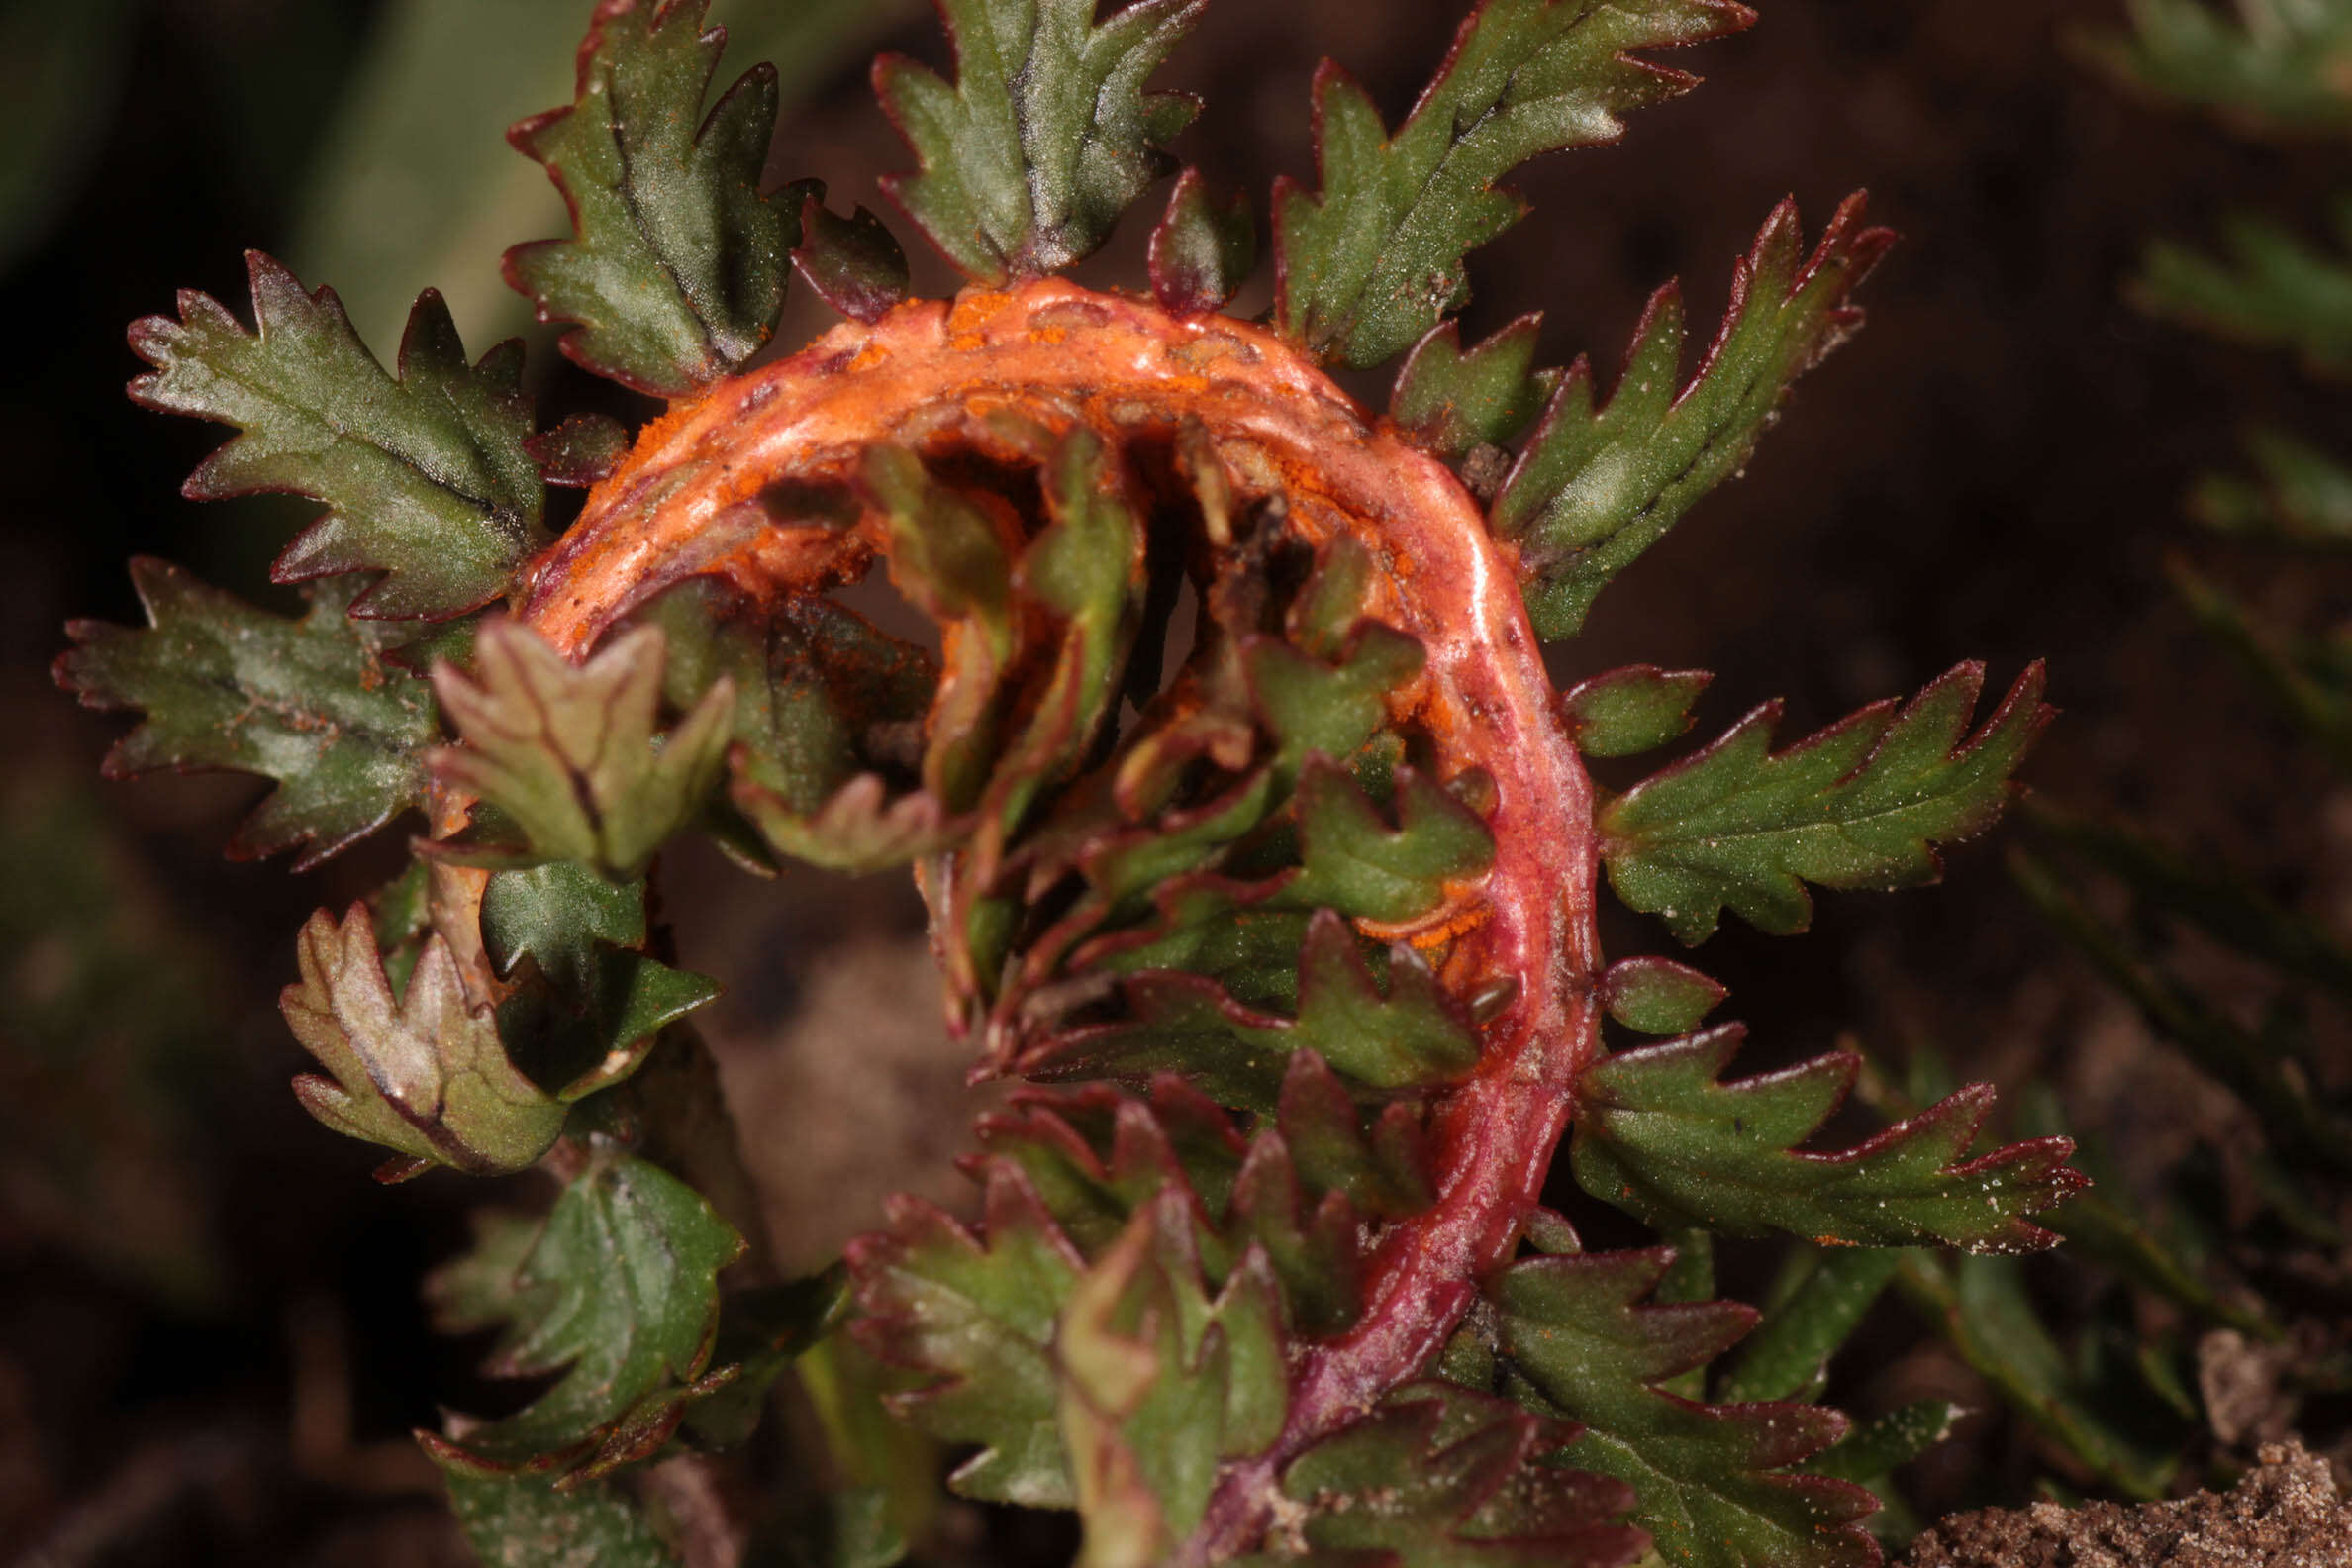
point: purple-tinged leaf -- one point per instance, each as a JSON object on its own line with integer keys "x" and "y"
{"x": 1861, "y": 804}
{"x": 1201, "y": 250}
{"x": 313, "y": 704}
{"x": 1595, "y": 487}
{"x": 1376, "y": 257}
{"x": 581, "y": 451}
{"x": 676, "y": 266}
{"x": 1658, "y": 995}
{"x": 855, "y": 263}
{"x": 424, "y": 473}
{"x": 1659, "y": 1134}
{"x": 1639, "y": 708}
{"x": 1026, "y": 162}
{"x": 1712, "y": 1483}
{"x": 1454, "y": 401}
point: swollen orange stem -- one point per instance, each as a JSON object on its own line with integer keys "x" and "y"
{"x": 688, "y": 501}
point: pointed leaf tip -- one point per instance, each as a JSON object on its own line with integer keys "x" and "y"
{"x": 313, "y": 703}
{"x": 676, "y": 266}
{"x": 1599, "y": 483}
{"x": 424, "y": 473}
{"x": 1376, "y": 257}
{"x": 1046, "y": 135}
{"x": 1660, "y": 1134}
{"x": 1861, "y": 804}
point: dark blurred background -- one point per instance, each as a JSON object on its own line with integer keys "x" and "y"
{"x": 210, "y": 1342}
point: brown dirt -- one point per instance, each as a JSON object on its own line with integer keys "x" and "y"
{"x": 2285, "y": 1513}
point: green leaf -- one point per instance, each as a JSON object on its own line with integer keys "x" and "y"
{"x": 1443, "y": 1477}
{"x": 1411, "y": 1035}
{"x": 310, "y": 703}
{"x": 2298, "y": 495}
{"x": 1981, "y": 1307}
{"x": 1356, "y": 863}
{"x": 424, "y": 474}
{"x": 1898, "y": 1437}
{"x": 589, "y": 1005}
{"x": 1375, "y": 258}
{"x": 1160, "y": 1384}
{"x": 1658, "y": 995}
{"x": 1657, "y": 1133}
{"x": 1201, "y": 250}
{"x": 1027, "y": 162}
{"x": 2270, "y": 287}
{"x": 2264, "y": 64}
{"x": 619, "y": 1294}
{"x": 974, "y": 1315}
{"x": 1639, "y": 708}
{"x": 1711, "y": 1482}
{"x": 1816, "y": 1308}
{"x": 570, "y": 752}
{"x": 559, "y": 915}
{"x": 524, "y": 1520}
{"x": 1453, "y": 401}
{"x": 677, "y": 265}
{"x": 423, "y": 1075}
{"x": 1862, "y": 804}
{"x": 1595, "y": 487}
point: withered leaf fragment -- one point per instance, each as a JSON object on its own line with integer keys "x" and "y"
{"x": 423, "y": 1074}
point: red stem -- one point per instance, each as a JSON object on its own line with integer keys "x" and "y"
{"x": 686, "y": 503}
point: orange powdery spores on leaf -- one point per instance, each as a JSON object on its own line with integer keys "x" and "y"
{"x": 688, "y": 502}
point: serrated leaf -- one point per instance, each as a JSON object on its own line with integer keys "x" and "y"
{"x": 1203, "y": 249}
{"x": 1443, "y": 1477}
{"x": 2265, "y": 65}
{"x": 677, "y": 265}
{"x": 1711, "y": 1482}
{"x": 1027, "y": 162}
{"x": 975, "y": 1316}
{"x": 2269, "y": 287}
{"x": 423, "y": 473}
{"x": 310, "y": 703}
{"x": 1375, "y": 258}
{"x": 588, "y": 1004}
{"x": 1660, "y": 1134}
{"x": 1657, "y": 996}
{"x": 1454, "y": 401}
{"x": 571, "y": 753}
{"x": 620, "y": 1295}
{"x": 1355, "y": 862}
{"x": 1623, "y": 711}
{"x": 2298, "y": 495}
{"x": 1595, "y": 487}
{"x": 1862, "y": 804}
{"x": 1406, "y": 1037}
{"x": 423, "y": 1075}
{"x": 589, "y": 1526}
{"x": 1160, "y": 1384}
